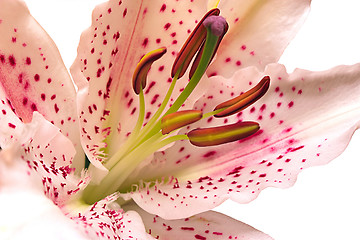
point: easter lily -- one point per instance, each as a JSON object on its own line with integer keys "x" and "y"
{"x": 176, "y": 138}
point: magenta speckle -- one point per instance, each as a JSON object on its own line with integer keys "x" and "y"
{"x": 263, "y": 107}
{"x": 56, "y": 108}
{"x": 33, "y": 107}
{"x": 28, "y": 61}
{"x": 12, "y": 61}
{"x": 163, "y": 8}
{"x": 154, "y": 99}
{"x": 287, "y": 130}
{"x": 209, "y": 154}
{"x": 167, "y": 26}
{"x": 145, "y": 42}
{"x": 36, "y": 77}
{"x": 291, "y": 104}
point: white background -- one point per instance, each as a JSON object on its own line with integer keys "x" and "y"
{"x": 324, "y": 203}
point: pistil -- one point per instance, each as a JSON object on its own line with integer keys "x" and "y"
{"x": 160, "y": 129}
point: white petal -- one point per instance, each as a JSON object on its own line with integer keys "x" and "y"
{"x": 25, "y": 212}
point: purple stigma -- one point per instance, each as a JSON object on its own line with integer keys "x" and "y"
{"x": 217, "y": 24}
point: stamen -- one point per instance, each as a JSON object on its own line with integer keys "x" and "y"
{"x": 192, "y": 45}
{"x": 241, "y": 102}
{"x": 218, "y": 26}
{"x": 204, "y": 137}
{"x": 179, "y": 119}
{"x": 210, "y": 46}
{"x": 143, "y": 67}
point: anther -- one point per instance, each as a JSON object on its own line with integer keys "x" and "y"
{"x": 143, "y": 67}
{"x": 241, "y": 102}
{"x": 192, "y": 45}
{"x": 204, "y": 137}
{"x": 179, "y": 119}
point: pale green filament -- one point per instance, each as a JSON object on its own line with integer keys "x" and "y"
{"x": 144, "y": 141}
{"x": 127, "y": 165}
{"x": 209, "y": 48}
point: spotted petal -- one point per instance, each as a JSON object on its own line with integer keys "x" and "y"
{"x": 306, "y": 118}
{"x": 208, "y": 225}
{"x": 121, "y": 33}
{"x": 32, "y": 74}
{"x": 25, "y": 212}
{"x": 40, "y": 144}
{"x": 105, "y": 220}
{"x": 258, "y": 34}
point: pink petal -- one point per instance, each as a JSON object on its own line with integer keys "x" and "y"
{"x": 41, "y": 145}
{"x": 105, "y": 220}
{"x": 258, "y": 34}
{"x": 306, "y": 118}
{"x": 32, "y": 74}
{"x": 25, "y": 212}
{"x": 121, "y": 33}
{"x": 44, "y": 154}
{"x": 208, "y": 225}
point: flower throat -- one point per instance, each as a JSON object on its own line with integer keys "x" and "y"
{"x": 144, "y": 140}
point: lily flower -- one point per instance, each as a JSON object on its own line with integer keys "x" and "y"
{"x": 204, "y": 144}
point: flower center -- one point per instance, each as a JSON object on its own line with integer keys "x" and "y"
{"x": 159, "y": 130}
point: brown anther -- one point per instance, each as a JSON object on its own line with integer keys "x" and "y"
{"x": 204, "y": 137}
{"x": 179, "y": 119}
{"x": 143, "y": 67}
{"x": 241, "y": 102}
{"x": 192, "y": 45}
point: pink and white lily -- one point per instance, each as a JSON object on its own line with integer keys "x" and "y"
{"x": 306, "y": 119}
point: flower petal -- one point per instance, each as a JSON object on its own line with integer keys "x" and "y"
{"x": 41, "y": 145}
{"x": 25, "y": 212}
{"x": 32, "y": 74}
{"x": 306, "y": 118}
{"x": 105, "y": 220}
{"x": 44, "y": 154}
{"x": 121, "y": 33}
{"x": 208, "y": 225}
{"x": 258, "y": 34}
